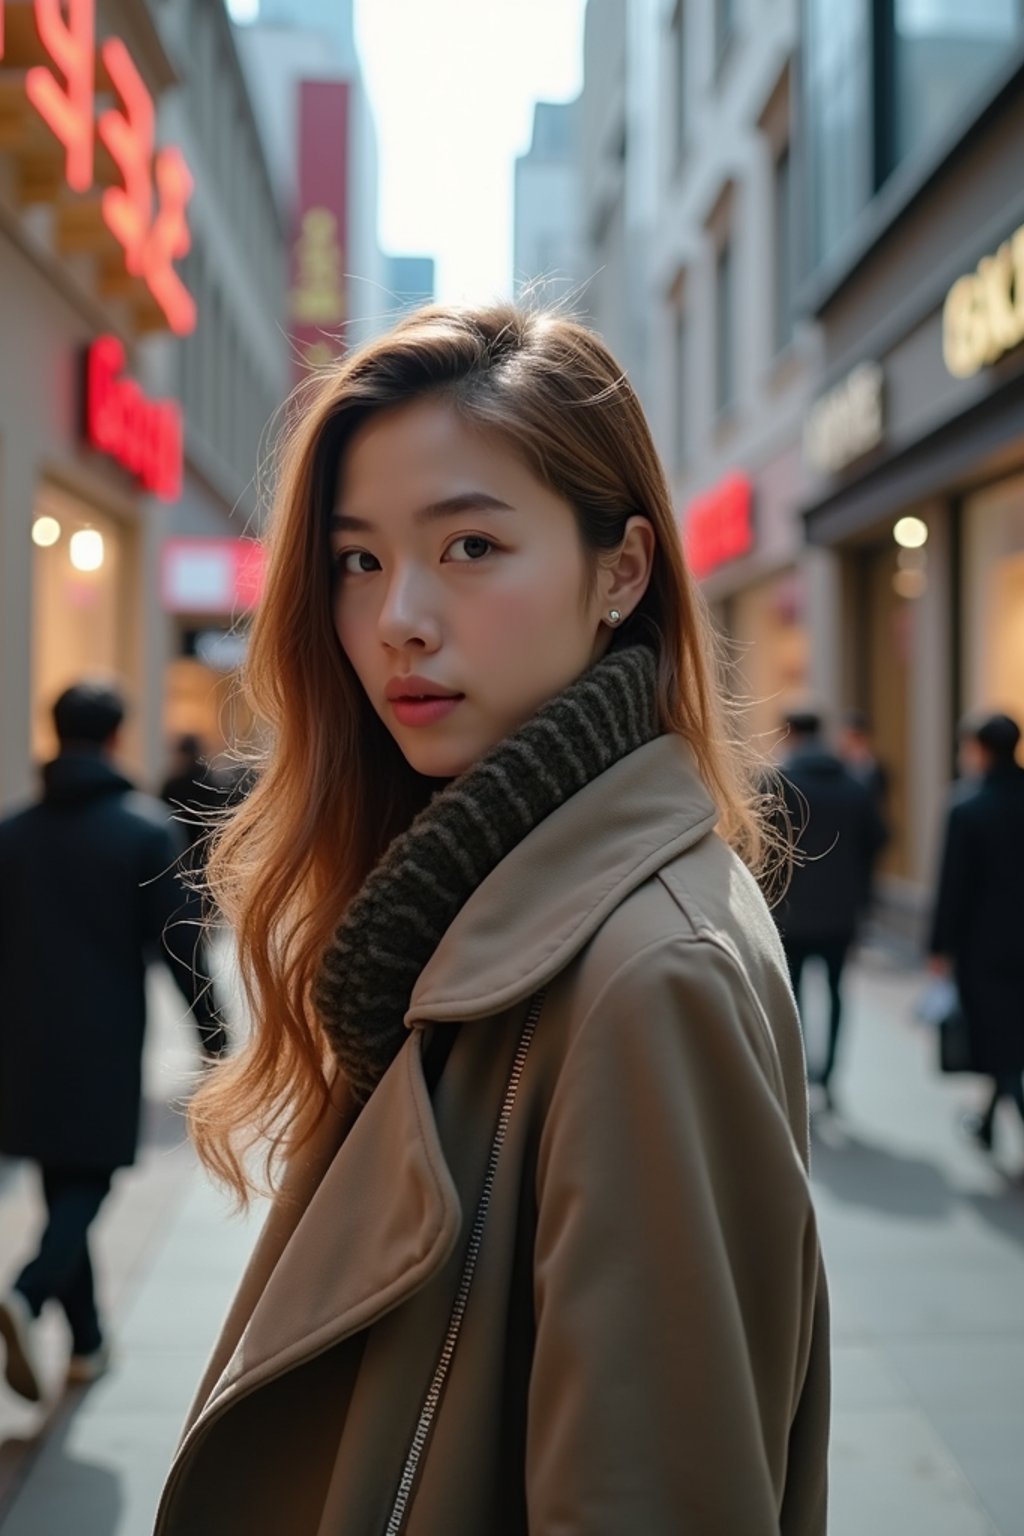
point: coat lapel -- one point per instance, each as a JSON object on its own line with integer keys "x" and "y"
{"x": 370, "y": 1215}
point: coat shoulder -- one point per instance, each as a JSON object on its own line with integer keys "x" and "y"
{"x": 696, "y": 944}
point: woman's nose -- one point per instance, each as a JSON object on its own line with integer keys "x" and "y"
{"x": 408, "y": 616}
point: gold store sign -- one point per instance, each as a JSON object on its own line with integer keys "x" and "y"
{"x": 983, "y": 316}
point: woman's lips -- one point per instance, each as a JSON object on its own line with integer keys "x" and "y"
{"x": 425, "y": 711}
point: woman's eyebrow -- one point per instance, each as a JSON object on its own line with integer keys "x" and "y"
{"x": 450, "y": 506}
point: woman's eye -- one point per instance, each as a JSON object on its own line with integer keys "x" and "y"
{"x": 355, "y": 562}
{"x": 473, "y": 546}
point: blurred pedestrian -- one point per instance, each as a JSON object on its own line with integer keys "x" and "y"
{"x": 840, "y": 833}
{"x": 978, "y": 922}
{"x": 87, "y": 887}
{"x": 545, "y": 1254}
{"x": 197, "y": 795}
{"x": 855, "y": 745}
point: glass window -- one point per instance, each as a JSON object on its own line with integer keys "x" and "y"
{"x": 724, "y": 364}
{"x": 837, "y": 83}
{"x": 678, "y": 97}
{"x": 782, "y": 198}
{"x": 725, "y": 23}
{"x": 680, "y": 435}
{"x": 945, "y": 50}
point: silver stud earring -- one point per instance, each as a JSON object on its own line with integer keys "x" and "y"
{"x": 614, "y": 615}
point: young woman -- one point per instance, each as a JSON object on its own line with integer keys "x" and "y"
{"x": 542, "y": 1257}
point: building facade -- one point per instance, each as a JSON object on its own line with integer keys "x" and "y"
{"x": 730, "y": 365}
{"x": 547, "y": 257}
{"x": 140, "y": 304}
{"x": 913, "y": 224}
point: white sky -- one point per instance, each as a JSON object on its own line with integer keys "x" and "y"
{"x": 453, "y": 84}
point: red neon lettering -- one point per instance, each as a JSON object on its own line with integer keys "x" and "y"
{"x": 169, "y": 239}
{"x": 106, "y": 359}
{"x": 719, "y": 525}
{"x": 67, "y": 110}
{"x": 128, "y": 210}
{"x": 145, "y": 436}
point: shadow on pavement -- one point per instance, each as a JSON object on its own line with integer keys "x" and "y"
{"x": 858, "y": 1172}
{"x": 1004, "y": 1212}
{"x": 72, "y": 1486}
{"x": 163, "y": 1123}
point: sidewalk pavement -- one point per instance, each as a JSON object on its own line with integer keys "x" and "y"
{"x": 924, "y": 1242}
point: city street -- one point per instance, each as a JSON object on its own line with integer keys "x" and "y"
{"x": 924, "y": 1239}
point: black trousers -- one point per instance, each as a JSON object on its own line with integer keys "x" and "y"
{"x": 62, "y": 1269}
{"x": 833, "y": 949}
{"x": 189, "y": 961}
{"x": 1008, "y": 1085}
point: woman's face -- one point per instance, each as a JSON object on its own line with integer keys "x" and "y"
{"x": 460, "y": 588}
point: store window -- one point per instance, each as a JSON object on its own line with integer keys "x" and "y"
{"x": 838, "y": 97}
{"x": 767, "y": 626}
{"x": 945, "y": 51}
{"x": 993, "y": 599}
{"x": 80, "y": 621}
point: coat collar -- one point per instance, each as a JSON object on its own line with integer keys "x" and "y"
{"x": 532, "y": 914}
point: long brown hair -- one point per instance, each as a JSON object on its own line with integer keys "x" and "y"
{"x": 332, "y": 788}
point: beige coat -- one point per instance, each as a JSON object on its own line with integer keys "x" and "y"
{"x": 645, "y": 1350}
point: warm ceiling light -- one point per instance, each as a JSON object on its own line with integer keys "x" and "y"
{"x": 45, "y": 531}
{"x": 910, "y": 533}
{"x": 87, "y": 549}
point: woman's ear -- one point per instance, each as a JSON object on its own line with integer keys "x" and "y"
{"x": 625, "y": 574}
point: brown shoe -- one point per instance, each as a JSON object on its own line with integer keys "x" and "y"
{"x": 16, "y": 1325}
{"x": 85, "y": 1369}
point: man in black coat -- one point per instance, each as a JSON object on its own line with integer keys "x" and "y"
{"x": 978, "y": 924}
{"x": 839, "y": 834}
{"x": 87, "y": 886}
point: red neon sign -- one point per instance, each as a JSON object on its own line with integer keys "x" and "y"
{"x": 719, "y": 525}
{"x": 152, "y": 238}
{"x": 67, "y": 110}
{"x": 145, "y": 436}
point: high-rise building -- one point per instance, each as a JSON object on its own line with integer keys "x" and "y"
{"x": 547, "y": 256}
{"x": 296, "y": 42}
{"x": 410, "y": 281}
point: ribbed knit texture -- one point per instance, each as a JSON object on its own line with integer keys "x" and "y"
{"x": 395, "y": 922}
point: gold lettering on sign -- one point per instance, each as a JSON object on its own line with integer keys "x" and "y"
{"x": 848, "y": 421}
{"x": 317, "y": 297}
{"x": 983, "y": 316}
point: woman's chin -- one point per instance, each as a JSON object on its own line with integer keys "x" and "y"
{"x": 439, "y": 760}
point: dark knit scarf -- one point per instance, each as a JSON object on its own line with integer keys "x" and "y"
{"x": 396, "y": 920}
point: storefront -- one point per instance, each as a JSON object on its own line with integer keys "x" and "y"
{"x": 209, "y": 587}
{"x": 919, "y": 493}
{"x": 740, "y": 539}
{"x": 90, "y": 457}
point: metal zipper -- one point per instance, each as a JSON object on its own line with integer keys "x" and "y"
{"x": 440, "y": 1376}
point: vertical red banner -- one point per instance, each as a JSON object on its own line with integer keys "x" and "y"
{"x": 319, "y": 255}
